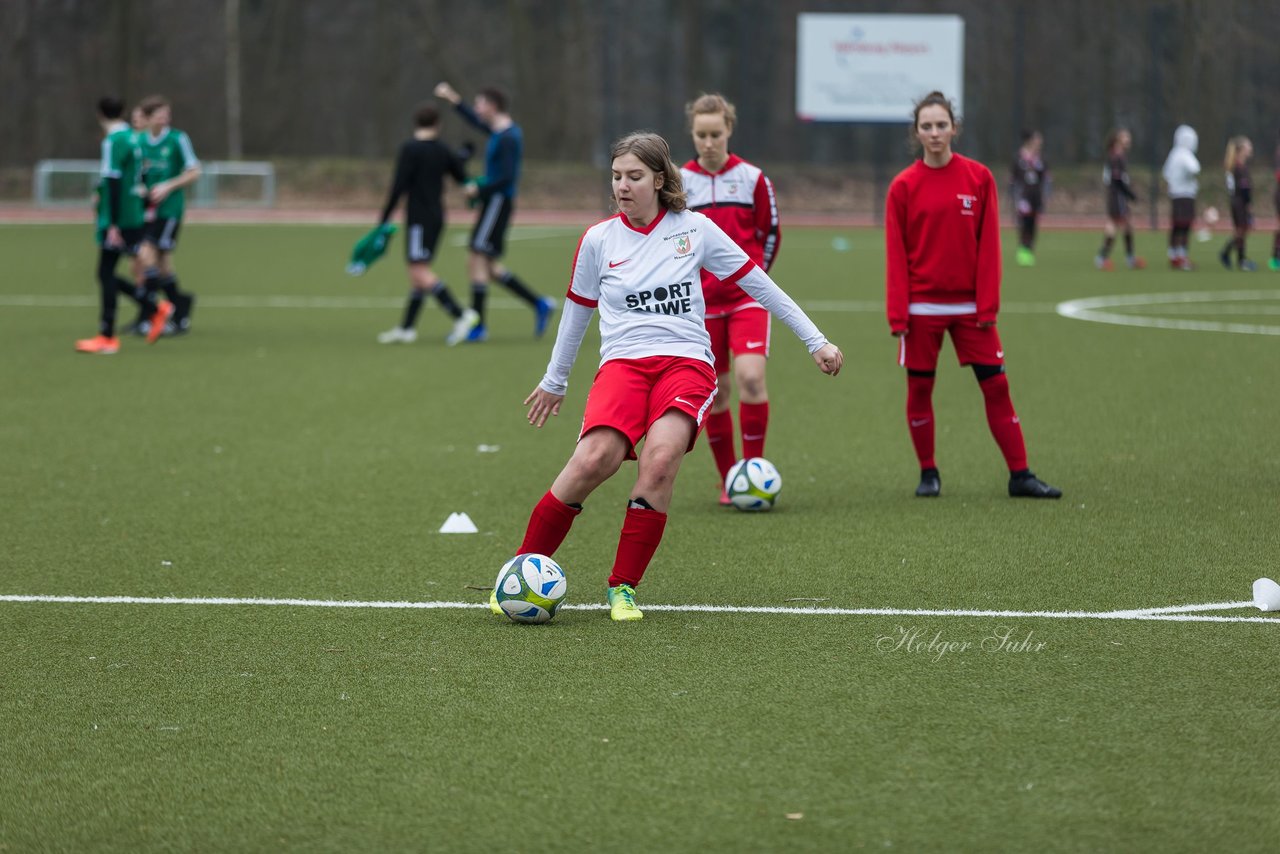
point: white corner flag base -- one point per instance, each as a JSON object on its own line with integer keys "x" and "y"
{"x": 458, "y": 523}
{"x": 1266, "y": 595}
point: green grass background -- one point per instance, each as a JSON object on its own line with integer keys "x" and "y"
{"x": 280, "y": 452}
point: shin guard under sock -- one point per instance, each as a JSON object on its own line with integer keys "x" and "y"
{"x": 548, "y": 525}
{"x": 641, "y": 533}
{"x": 1003, "y": 421}
{"x": 720, "y": 438}
{"x": 920, "y": 418}
{"x": 754, "y": 418}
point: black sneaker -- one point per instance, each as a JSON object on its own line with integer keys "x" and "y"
{"x": 930, "y": 484}
{"x": 1027, "y": 485}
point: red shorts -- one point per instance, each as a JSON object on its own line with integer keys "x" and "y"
{"x": 740, "y": 332}
{"x": 630, "y": 394}
{"x": 975, "y": 345}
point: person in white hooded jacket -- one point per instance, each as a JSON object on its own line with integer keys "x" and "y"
{"x": 1181, "y": 174}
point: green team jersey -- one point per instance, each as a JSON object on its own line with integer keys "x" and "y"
{"x": 168, "y": 156}
{"x": 122, "y": 158}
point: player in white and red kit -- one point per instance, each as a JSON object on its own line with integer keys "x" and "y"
{"x": 642, "y": 270}
{"x": 942, "y": 241}
{"x": 736, "y": 196}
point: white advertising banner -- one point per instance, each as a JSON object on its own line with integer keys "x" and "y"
{"x": 872, "y": 68}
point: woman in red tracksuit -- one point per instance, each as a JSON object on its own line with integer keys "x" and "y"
{"x": 942, "y": 239}
{"x": 736, "y": 196}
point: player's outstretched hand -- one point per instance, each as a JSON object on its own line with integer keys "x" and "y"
{"x": 829, "y": 359}
{"x": 542, "y": 404}
{"x": 444, "y": 90}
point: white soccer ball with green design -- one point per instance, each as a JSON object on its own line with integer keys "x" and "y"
{"x": 753, "y": 484}
{"x": 530, "y": 588}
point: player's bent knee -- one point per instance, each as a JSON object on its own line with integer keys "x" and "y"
{"x": 752, "y": 389}
{"x": 599, "y": 455}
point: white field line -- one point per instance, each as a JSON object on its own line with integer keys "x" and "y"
{"x": 1173, "y": 613}
{"x": 1186, "y": 609}
{"x": 1094, "y": 309}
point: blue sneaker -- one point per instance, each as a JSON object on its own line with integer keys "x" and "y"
{"x": 478, "y": 334}
{"x": 542, "y": 315}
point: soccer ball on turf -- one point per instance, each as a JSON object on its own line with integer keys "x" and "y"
{"x": 753, "y": 484}
{"x": 530, "y": 588}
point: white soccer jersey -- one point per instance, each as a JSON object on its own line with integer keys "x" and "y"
{"x": 647, "y": 285}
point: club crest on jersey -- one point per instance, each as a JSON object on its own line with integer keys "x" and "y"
{"x": 683, "y": 245}
{"x": 966, "y": 203}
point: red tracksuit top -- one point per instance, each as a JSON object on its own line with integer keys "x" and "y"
{"x": 942, "y": 239}
{"x": 739, "y": 199}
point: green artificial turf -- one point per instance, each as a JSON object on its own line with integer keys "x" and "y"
{"x": 279, "y": 452}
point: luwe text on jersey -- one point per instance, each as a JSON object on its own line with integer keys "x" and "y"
{"x": 672, "y": 299}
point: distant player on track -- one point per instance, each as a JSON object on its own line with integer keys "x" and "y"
{"x": 495, "y": 192}
{"x": 736, "y": 196}
{"x": 120, "y": 228}
{"x": 421, "y": 167}
{"x": 641, "y": 269}
{"x": 1240, "y": 186}
{"x": 1029, "y": 187}
{"x": 171, "y": 167}
{"x": 942, "y": 238}
{"x": 1119, "y": 193}
{"x": 1274, "y": 263}
{"x": 1181, "y": 175}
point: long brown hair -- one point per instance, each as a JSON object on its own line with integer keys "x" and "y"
{"x": 1233, "y": 151}
{"x": 1114, "y": 137}
{"x": 653, "y": 151}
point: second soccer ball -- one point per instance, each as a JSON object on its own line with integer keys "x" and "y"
{"x": 753, "y": 484}
{"x": 530, "y": 588}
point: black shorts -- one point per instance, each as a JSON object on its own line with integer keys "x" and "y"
{"x": 1117, "y": 206}
{"x": 1184, "y": 212}
{"x": 163, "y": 233}
{"x": 1240, "y": 215}
{"x": 489, "y": 237}
{"x": 420, "y": 240}
{"x": 132, "y": 238}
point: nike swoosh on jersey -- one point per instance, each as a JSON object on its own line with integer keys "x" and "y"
{"x": 613, "y": 264}
{"x": 920, "y": 423}
{"x": 682, "y": 400}
{"x": 751, "y": 345}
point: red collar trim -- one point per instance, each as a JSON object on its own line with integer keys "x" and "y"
{"x": 648, "y": 229}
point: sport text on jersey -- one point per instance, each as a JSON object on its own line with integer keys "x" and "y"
{"x": 673, "y": 299}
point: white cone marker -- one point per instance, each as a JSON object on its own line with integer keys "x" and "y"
{"x": 458, "y": 523}
{"x": 1266, "y": 595}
